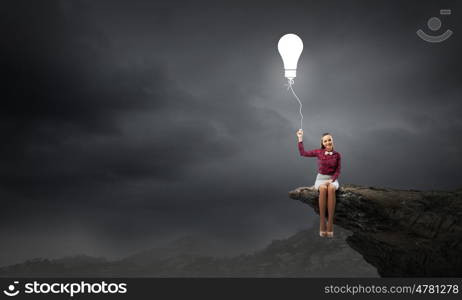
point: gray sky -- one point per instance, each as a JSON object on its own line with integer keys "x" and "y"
{"x": 126, "y": 124}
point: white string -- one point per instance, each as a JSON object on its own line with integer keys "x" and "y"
{"x": 290, "y": 82}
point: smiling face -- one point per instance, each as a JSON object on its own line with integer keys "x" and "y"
{"x": 327, "y": 142}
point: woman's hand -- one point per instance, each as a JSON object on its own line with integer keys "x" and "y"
{"x": 300, "y": 135}
{"x": 328, "y": 182}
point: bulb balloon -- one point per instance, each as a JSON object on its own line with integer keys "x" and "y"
{"x": 290, "y": 48}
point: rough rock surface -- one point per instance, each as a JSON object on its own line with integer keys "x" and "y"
{"x": 403, "y": 233}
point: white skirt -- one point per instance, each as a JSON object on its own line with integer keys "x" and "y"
{"x": 321, "y": 178}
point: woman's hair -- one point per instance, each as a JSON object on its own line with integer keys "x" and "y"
{"x": 323, "y": 135}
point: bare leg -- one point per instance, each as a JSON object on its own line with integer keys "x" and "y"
{"x": 331, "y": 207}
{"x": 322, "y": 207}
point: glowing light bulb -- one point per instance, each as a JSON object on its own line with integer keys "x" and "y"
{"x": 290, "y": 47}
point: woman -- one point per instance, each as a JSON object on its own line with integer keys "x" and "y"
{"x": 326, "y": 181}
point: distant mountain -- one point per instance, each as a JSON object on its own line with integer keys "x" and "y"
{"x": 186, "y": 245}
{"x": 304, "y": 254}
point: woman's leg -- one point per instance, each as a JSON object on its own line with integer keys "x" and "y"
{"x": 330, "y": 207}
{"x": 322, "y": 207}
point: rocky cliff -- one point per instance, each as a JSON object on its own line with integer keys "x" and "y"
{"x": 403, "y": 233}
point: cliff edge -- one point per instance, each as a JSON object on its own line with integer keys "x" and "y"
{"x": 403, "y": 233}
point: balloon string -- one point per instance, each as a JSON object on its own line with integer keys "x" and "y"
{"x": 290, "y": 82}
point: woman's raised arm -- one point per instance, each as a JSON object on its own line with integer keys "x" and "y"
{"x": 301, "y": 149}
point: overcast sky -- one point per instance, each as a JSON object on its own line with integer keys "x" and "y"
{"x": 128, "y": 123}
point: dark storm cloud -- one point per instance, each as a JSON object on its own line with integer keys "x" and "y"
{"x": 71, "y": 108}
{"x": 64, "y": 102}
{"x": 88, "y": 133}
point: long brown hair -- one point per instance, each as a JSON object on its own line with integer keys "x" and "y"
{"x": 323, "y": 135}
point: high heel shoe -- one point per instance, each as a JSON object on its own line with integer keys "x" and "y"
{"x": 322, "y": 233}
{"x": 329, "y": 234}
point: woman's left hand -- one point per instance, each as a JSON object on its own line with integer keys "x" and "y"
{"x": 328, "y": 182}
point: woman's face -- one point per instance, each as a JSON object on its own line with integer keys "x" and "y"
{"x": 328, "y": 142}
